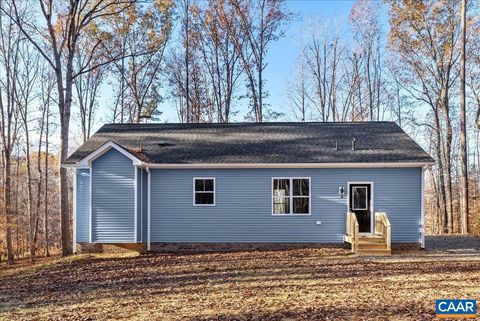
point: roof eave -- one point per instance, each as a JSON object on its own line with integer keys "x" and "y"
{"x": 288, "y": 165}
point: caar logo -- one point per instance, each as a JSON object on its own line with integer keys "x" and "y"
{"x": 456, "y": 308}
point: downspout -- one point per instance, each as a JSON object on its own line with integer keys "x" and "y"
{"x": 422, "y": 211}
{"x": 74, "y": 212}
{"x": 90, "y": 213}
{"x": 149, "y": 184}
{"x": 135, "y": 204}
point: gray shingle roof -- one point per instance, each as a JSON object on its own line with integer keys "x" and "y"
{"x": 376, "y": 142}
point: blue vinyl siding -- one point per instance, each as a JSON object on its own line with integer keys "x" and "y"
{"x": 243, "y": 211}
{"x": 113, "y": 199}
{"x": 82, "y": 204}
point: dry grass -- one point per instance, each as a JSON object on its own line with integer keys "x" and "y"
{"x": 322, "y": 284}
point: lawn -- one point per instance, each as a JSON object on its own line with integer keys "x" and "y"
{"x": 321, "y": 284}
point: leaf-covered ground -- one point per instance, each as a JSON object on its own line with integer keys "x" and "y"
{"x": 319, "y": 284}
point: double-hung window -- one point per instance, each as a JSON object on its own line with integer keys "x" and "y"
{"x": 291, "y": 196}
{"x": 204, "y": 191}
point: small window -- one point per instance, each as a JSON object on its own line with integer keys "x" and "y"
{"x": 204, "y": 191}
{"x": 291, "y": 196}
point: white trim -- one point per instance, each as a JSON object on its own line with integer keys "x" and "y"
{"x": 141, "y": 205}
{"x": 422, "y": 210}
{"x": 214, "y": 192}
{"x": 102, "y": 150}
{"x": 74, "y": 212}
{"x": 135, "y": 202}
{"x": 291, "y": 178}
{"x": 90, "y": 225}
{"x": 372, "y": 203}
{"x": 83, "y": 164}
{"x": 289, "y": 165}
{"x": 76, "y": 165}
{"x": 149, "y": 185}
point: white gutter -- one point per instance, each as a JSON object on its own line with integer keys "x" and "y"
{"x": 135, "y": 204}
{"x": 149, "y": 185}
{"x": 422, "y": 211}
{"x": 90, "y": 213}
{"x": 74, "y": 212}
{"x": 289, "y": 165}
{"x": 141, "y": 205}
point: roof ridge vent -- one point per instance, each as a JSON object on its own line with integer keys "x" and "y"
{"x": 161, "y": 143}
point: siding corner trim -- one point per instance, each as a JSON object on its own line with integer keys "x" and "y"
{"x": 74, "y": 212}
{"x": 149, "y": 189}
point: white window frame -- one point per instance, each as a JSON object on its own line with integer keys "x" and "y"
{"x": 291, "y": 196}
{"x": 366, "y": 198}
{"x": 214, "y": 192}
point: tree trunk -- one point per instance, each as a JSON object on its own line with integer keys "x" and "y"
{"x": 447, "y": 156}
{"x": 64, "y": 203}
{"x": 17, "y": 192}
{"x": 441, "y": 174}
{"x": 259, "y": 111}
{"x": 31, "y": 218}
{"x": 8, "y": 205}
{"x": 464, "y": 208}
{"x": 187, "y": 76}
{"x": 64, "y": 110}
{"x": 45, "y": 222}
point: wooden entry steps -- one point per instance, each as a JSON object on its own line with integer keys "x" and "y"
{"x": 372, "y": 246}
{"x": 379, "y": 244}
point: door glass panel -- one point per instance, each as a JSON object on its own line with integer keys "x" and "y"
{"x": 359, "y": 198}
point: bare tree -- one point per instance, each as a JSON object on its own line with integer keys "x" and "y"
{"x": 364, "y": 18}
{"x": 425, "y": 36}
{"x": 10, "y": 43}
{"x": 464, "y": 208}
{"x": 142, "y": 35}
{"x": 87, "y": 86}
{"x": 219, "y": 57}
{"x": 47, "y": 87}
{"x": 25, "y": 95}
{"x": 298, "y": 92}
{"x": 260, "y": 22}
{"x": 324, "y": 54}
{"x": 57, "y": 43}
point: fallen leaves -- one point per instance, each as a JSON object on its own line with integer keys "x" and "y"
{"x": 326, "y": 284}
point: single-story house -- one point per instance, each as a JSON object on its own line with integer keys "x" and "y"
{"x": 249, "y": 183}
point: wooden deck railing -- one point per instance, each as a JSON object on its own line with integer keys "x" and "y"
{"x": 352, "y": 230}
{"x": 383, "y": 228}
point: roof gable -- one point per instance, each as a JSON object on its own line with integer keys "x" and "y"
{"x": 87, "y": 160}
